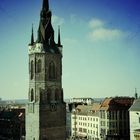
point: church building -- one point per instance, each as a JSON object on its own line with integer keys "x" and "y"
{"x": 46, "y": 110}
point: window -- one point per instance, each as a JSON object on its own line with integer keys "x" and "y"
{"x": 43, "y": 96}
{"x": 49, "y": 95}
{"x": 52, "y": 73}
{"x": 32, "y": 95}
{"x": 38, "y": 66}
{"x": 84, "y": 130}
{"x": 32, "y": 69}
{"x": 56, "y": 95}
{"x": 80, "y": 129}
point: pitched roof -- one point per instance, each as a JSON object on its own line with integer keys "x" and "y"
{"x": 90, "y": 110}
{"x": 84, "y": 109}
{"x": 116, "y": 103}
{"x": 135, "y": 106}
{"x": 96, "y": 107}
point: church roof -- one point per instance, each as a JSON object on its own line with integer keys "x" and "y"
{"x": 46, "y": 31}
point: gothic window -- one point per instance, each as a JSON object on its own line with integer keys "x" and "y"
{"x": 39, "y": 65}
{"x": 56, "y": 95}
{"x": 52, "y": 72}
{"x": 32, "y": 69}
{"x": 32, "y": 95}
{"x": 43, "y": 96}
{"x": 49, "y": 95}
{"x": 61, "y": 95}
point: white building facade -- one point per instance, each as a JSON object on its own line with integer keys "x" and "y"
{"x": 134, "y": 113}
{"x": 85, "y": 123}
{"x": 88, "y": 101}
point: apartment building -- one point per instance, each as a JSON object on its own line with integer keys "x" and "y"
{"x": 86, "y": 122}
{"x": 134, "y": 113}
{"x": 114, "y": 118}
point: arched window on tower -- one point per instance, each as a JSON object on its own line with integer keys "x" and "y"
{"x": 32, "y": 69}
{"x": 56, "y": 95}
{"x": 43, "y": 97}
{"x": 49, "y": 95}
{"x": 52, "y": 71}
{"x": 32, "y": 95}
{"x": 38, "y": 66}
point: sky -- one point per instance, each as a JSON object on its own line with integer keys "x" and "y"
{"x": 101, "y": 46}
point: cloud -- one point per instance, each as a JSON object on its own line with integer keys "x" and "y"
{"x": 95, "y": 23}
{"x": 103, "y": 34}
{"x": 57, "y": 20}
{"x": 99, "y": 31}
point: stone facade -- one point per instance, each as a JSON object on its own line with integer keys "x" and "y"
{"x": 46, "y": 110}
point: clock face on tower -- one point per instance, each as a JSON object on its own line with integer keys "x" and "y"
{"x": 53, "y": 107}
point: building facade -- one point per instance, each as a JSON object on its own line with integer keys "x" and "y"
{"x": 134, "y": 113}
{"x": 107, "y": 120}
{"x": 46, "y": 110}
{"x": 82, "y": 100}
{"x": 85, "y": 122}
{"x": 114, "y": 117}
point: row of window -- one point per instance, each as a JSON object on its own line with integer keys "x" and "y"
{"x": 137, "y": 136}
{"x": 38, "y": 69}
{"x": 122, "y": 114}
{"x": 88, "y": 118}
{"x": 88, "y": 131}
{"x": 45, "y": 96}
{"x": 89, "y": 124}
{"x": 93, "y": 132}
{"x": 92, "y": 138}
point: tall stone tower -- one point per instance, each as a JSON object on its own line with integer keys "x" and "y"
{"x": 45, "y": 111}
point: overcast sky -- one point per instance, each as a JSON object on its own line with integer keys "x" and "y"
{"x": 101, "y": 39}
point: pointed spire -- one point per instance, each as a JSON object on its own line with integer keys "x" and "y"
{"x": 59, "y": 38}
{"x": 32, "y": 36}
{"x": 45, "y": 5}
{"x": 136, "y": 94}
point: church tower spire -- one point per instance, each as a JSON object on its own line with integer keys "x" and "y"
{"x": 59, "y": 38}
{"x": 45, "y": 5}
{"x": 32, "y": 36}
{"x": 45, "y": 30}
{"x": 46, "y": 109}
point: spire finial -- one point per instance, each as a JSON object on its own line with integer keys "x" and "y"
{"x": 32, "y": 36}
{"x": 45, "y": 5}
{"x": 136, "y": 94}
{"x": 59, "y": 38}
